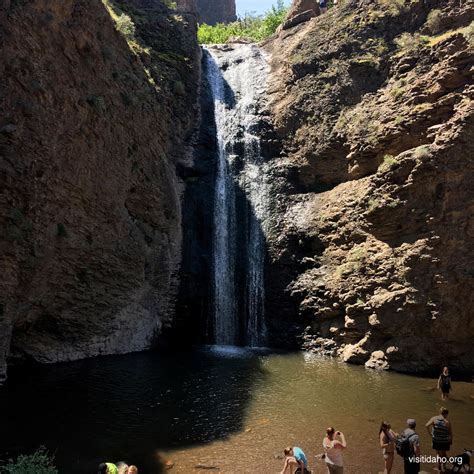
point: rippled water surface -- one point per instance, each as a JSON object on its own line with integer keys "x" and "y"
{"x": 225, "y": 408}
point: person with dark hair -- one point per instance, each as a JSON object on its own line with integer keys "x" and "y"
{"x": 387, "y": 442}
{"x": 444, "y": 383}
{"x": 333, "y": 444}
{"x": 441, "y": 432}
{"x": 107, "y": 468}
{"x": 323, "y": 6}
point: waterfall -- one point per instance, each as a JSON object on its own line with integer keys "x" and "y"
{"x": 237, "y": 79}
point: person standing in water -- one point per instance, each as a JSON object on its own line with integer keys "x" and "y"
{"x": 387, "y": 442}
{"x": 444, "y": 383}
{"x": 408, "y": 447}
{"x": 441, "y": 432}
{"x": 333, "y": 444}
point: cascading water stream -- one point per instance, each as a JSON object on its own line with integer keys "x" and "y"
{"x": 237, "y": 78}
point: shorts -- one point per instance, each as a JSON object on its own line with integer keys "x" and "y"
{"x": 333, "y": 469}
{"x": 437, "y": 446}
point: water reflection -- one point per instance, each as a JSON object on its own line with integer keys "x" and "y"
{"x": 220, "y": 407}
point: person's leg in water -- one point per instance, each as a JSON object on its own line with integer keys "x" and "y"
{"x": 441, "y": 465}
{"x": 388, "y": 459}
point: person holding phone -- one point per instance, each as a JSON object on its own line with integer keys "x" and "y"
{"x": 334, "y": 443}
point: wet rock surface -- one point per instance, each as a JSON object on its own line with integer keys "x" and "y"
{"x": 371, "y": 241}
{"x": 96, "y": 116}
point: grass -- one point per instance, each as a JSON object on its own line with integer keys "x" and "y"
{"x": 433, "y": 22}
{"x": 357, "y": 254}
{"x": 467, "y": 32}
{"x": 408, "y": 42}
{"x": 397, "y": 92}
{"x": 422, "y": 151}
{"x": 125, "y": 26}
{"x": 394, "y": 7}
{"x": 423, "y": 107}
{"x": 253, "y": 28}
{"x": 387, "y": 164}
{"x": 372, "y": 204}
{"x": 399, "y": 119}
{"x": 353, "y": 263}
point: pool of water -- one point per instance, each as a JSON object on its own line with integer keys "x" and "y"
{"x": 234, "y": 410}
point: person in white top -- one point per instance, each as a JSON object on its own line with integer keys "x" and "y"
{"x": 333, "y": 444}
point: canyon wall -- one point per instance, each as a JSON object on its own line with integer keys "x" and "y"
{"x": 98, "y": 107}
{"x": 371, "y": 246}
{"x": 216, "y": 11}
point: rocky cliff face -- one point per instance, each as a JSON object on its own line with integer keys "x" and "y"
{"x": 216, "y": 11}
{"x": 372, "y": 238}
{"x": 98, "y": 105}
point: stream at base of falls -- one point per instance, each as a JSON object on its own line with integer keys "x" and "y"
{"x": 229, "y": 408}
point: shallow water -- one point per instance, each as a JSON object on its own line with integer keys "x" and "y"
{"x": 226, "y": 408}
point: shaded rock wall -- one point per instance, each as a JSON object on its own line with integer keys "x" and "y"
{"x": 94, "y": 123}
{"x": 371, "y": 243}
{"x": 216, "y": 11}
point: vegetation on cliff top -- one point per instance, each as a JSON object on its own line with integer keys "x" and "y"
{"x": 252, "y": 28}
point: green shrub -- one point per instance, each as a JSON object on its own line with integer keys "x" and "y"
{"x": 433, "y": 22}
{"x": 422, "y": 151}
{"x": 388, "y": 163}
{"x": 253, "y": 28}
{"x": 468, "y": 33}
{"x": 411, "y": 42}
{"x": 125, "y": 26}
{"x": 39, "y": 462}
{"x": 395, "y": 7}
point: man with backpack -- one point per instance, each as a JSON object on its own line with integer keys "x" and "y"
{"x": 408, "y": 447}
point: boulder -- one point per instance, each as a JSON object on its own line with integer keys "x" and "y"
{"x": 300, "y": 11}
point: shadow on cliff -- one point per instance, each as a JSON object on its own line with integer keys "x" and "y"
{"x": 193, "y": 323}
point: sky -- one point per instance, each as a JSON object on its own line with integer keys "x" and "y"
{"x": 255, "y": 6}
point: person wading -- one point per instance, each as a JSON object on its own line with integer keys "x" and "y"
{"x": 444, "y": 383}
{"x": 333, "y": 444}
{"x": 441, "y": 432}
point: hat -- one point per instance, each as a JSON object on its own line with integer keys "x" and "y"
{"x": 411, "y": 422}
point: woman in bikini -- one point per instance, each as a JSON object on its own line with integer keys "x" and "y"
{"x": 387, "y": 442}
